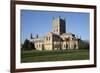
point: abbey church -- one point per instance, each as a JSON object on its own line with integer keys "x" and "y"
{"x": 57, "y": 39}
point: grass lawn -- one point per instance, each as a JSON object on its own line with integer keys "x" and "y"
{"x": 62, "y": 55}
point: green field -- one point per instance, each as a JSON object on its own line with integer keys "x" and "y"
{"x": 62, "y": 55}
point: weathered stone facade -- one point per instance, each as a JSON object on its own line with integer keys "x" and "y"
{"x": 58, "y": 39}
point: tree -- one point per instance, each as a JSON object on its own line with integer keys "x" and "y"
{"x": 83, "y": 44}
{"x": 25, "y": 45}
{"x": 31, "y": 46}
{"x": 28, "y": 45}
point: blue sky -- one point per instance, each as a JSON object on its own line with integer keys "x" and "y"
{"x": 40, "y": 22}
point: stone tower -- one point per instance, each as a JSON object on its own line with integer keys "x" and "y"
{"x": 58, "y": 26}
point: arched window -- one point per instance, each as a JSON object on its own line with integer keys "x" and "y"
{"x": 49, "y": 38}
{"x": 64, "y": 45}
{"x": 74, "y": 46}
{"x": 37, "y": 45}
